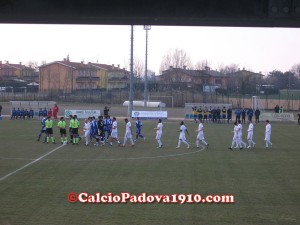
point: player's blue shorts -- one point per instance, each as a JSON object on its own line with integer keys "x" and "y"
{"x": 138, "y": 131}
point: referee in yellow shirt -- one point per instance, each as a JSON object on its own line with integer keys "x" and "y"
{"x": 62, "y": 129}
{"x": 49, "y": 129}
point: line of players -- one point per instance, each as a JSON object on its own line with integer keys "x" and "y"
{"x": 237, "y": 141}
{"x": 102, "y": 130}
{"x": 106, "y": 130}
{"x": 221, "y": 115}
{"x": 21, "y": 114}
{"x": 27, "y": 114}
{"x": 212, "y": 115}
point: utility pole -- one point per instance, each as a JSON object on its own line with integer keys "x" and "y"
{"x": 146, "y": 27}
{"x": 131, "y": 75}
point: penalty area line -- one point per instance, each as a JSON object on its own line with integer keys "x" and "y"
{"x": 34, "y": 161}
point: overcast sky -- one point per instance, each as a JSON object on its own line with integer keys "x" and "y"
{"x": 256, "y": 49}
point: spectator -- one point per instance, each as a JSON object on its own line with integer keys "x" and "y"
{"x": 250, "y": 114}
{"x": 257, "y": 114}
{"x": 237, "y": 115}
{"x": 299, "y": 117}
{"x": 281, "y": 109}
{"x": 49, "y": 113}
{"x": 276, "y": 109}
{"x": 0, "y": 109}
{"x": 55, "y": 111}
{"x": 219, "y": 114}
{"x": 229, "y": 114}
{"x": 243, "y": 115}
{"x": 105, "y": 111}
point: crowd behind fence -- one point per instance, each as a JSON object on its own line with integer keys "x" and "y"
{"x": 179, "y": 98}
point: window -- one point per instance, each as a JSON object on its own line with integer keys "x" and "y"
{"x": 218, "y": 81}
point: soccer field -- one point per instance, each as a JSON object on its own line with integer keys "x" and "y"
{"x": 36, "y": 178}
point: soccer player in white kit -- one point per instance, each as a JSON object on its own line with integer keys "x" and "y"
{"x": 158, "y": 130}
{"x": 128, "y": 133}
{"x": 250, "y": 135}
{"x": 182, "y": 137}
{"x": 114, "y": 132}
{"x": 200, "y": 136}
{"x": 235, "y": 136}
{"x": 87, "y": 130}
{"x": 268, "y": 134}
{"x": 240, "y": 136}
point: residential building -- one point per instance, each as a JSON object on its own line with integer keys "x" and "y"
{"x": 67, "y": 76}
{"x": 206, "y": 80}
{"x": 10, "y": 72}
{"x": 244, "y": 81}
{"x": 111, "y": 76}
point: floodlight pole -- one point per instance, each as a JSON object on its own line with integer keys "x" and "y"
{"x": 146, "y": 27}
{"x": 131, "y": 75}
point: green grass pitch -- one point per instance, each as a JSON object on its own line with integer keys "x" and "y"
{"x": 265, "y": 183}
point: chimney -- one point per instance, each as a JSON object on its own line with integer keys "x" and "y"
{"x": 243, "y": 68}
{"x": 82, "y": 62}
{"x": 7, "y": 62}
{"x": 118, "y": 65}
{"x": 184, "y": 67}
{"x": 65, "y": 59}
{"x": 0, "y": 62}
{"x": 113, "y": 65}
{"x": 207, "y": 68}
{"x": 20, "y": 63}
{"x": 170, "y": 67}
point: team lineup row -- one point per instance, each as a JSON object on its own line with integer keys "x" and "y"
{"x": 105, "y": 130}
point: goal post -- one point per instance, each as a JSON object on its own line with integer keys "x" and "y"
{"x": 257, "y": 104}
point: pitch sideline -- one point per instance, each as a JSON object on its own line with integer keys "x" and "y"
{"x": 36, "y": 160}
{"x": 112, "y": 159}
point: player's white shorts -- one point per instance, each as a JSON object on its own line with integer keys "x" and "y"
{"x": 235, "y": 138}
{"x": 87, "y": 133}
{"x": 158, "y": 136}
{"x": 250, "y": 136}
{"x": 182, "y": 137}
{"x": 128, "y": 135}
{"x": 267, "y": 137}
{"x": 114, "y": 134}
{"x": 200, "y": 136}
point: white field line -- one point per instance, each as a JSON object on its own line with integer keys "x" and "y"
{"x": 36, "y": 160}
{"x": 115, "y": 159}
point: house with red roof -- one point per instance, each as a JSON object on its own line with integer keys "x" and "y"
{"x": 9, "y": 71}
{"x": 206, "y": 80}
{"x": 70, "y": 76}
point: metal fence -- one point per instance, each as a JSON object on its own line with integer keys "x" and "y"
{"x": 175, "y": 97}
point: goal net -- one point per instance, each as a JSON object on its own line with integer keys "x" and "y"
{"x": 257, "y": 104}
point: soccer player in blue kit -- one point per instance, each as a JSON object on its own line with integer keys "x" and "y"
{"x": 138, "y": 130}
{"x": 43, "y": 130}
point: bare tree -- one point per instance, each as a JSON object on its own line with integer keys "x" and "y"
{"x": 176, "y": 58}
{"x": 296, "y": 70}
{"x": 138, "y": 69}
{"x": 201, "y": 65}
{"x": 33, "y": 64}
{"x": 232, "y": 68}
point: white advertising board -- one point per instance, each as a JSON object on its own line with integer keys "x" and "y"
{"x": 150, "y": 114}
{"x": 82, "y": 113}
{"x": 277, "y": 116}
